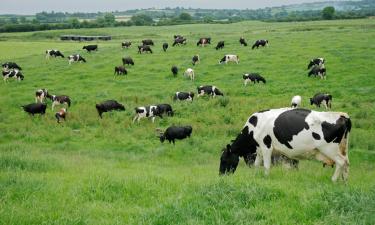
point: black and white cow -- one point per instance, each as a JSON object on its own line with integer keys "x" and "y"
{"x": 189, "y": 72}
{"x": 174, "y": 70}
{"x": 59, "y": 99}
{"x": 147, "y": 42}
{"x": 243, "y": 41}
{"x": 296, "y": 101}
{"x": 107, "y": 106}
{"x": 40, "y": 95}
{"x": 76, "y": 58}
{"x": 127, "y": 61}
{"x": 13, "y": 73}
{"x": 253, "y": 77}
{"x": 179, "y": 41}
{"x": 10, "y": 66}
{"x": 195, "y": 60}
{"x": 316, "y": 62}
{"x": 220, "y": 45}
{"x": 175, "y": 132}
{"x": 61, "y": 114}
{"x": 120, "y": 70}
{"x": 90, "y": 48}
{"x": 150, "y": 111}
{"x": 177, "y": 36}
{"x": 318, "y": 71}
{"x": 319, "y": 98}
{"x": 144, "y": 48}
{"x": 126, "y": 44}
{"x": 209, "y": 90}
{"x": 35, "y": 108}
{"x": 296, "y": 133}
{"x": 230, "y": 58}
{"x": 165, "y": 47}
{"x": 183, "y": 96}
{"x": 165, "y": 109}
{"x": 204, "y": 41}
{"x": 54, "y": 53}
{"x": 260, "y": 43}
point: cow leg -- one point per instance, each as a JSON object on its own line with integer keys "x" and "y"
{"x": 136, "y": 116}
{"x": 53, "y": 105}
{"x": 258, "y": 159}
{"x": 267, "y": 153}
{"x": 342, "y": 165}
{"x": 245, "y": 82}
{"x": 153, "y": 119}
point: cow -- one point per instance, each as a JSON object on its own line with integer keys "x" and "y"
{"x": 127, "y": 61}
{"x": 320, "y": 98}
{"x": 296, "y": 133}
{"x": 150, "y": 111}
{"x": 174, "y": 70}
{"x": 243, "y": 41}
{"x": 253, "y": 77}
{"x": 195, "y": 60}
{"x": 61, "y": 114}
{"x": 204, "y": 41}
{"x": 13, "y": 73}
{"x": 120, "y": 70}
{"x": 209, "y": 90}
{"x": 220, "y": 45}
{"x": 260, "y": 43}
{"x": 54, "y": 53}
{"x": 35, "y": 108}
{"x": 90, "y": 48}
{"x": 76, "y": 58}
{"x": 10, "y": 66}
{"x": 177, "y": 36}
{"x": 126, "y": 44}
{"x": 144, "y": 48}
{"x": 189, "y": 72}
{"x": 147, "y": 42}
{"x": 183, "y": 96}
{"x": 59, "y": 99}
{"x": 40, "y": 95}
{"x": 108, "y": 106}
{"x": 230, "y": 58}
{"x": 317, "y": 62}
{"x": 175, "y": 132}
{"x": 296, "y": 101}
{"x": 179, "y": 41}
{"x": 165, "y": 109}
{"x": 165, "y": 47}
{"x": 318, "y": 71}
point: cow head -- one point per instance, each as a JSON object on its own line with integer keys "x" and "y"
{"x": 311, "y": 101}
{"x": 228, "y": 161}
{"x": 310, "y": 64}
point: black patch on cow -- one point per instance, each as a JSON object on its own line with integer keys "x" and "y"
{"x": 316, "y": 136}
{"x": 245, "y": 144}
{"x": 253, "y": 120}
{"x": 267, "y": 141}
{"x": 335, "y": 132}
{"x": 290, "y": 123}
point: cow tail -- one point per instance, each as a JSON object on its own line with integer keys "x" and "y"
{"x": 344, "y": 144}
{"x": 253, "y": 46}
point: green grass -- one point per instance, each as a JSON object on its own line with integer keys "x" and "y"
{"x": 110, "y": 171}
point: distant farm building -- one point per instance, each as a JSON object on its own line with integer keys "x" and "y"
{"x": 84, "y": 38}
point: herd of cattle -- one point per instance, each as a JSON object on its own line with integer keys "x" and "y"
{"x": 288, "y": 134}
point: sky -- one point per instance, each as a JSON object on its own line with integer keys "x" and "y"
{"x": 34, "y": 6}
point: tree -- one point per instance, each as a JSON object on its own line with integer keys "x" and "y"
{"x": 109, "y": 18}
{"x": 185, "y": 16}
{"x": 328, "y": 12}
{"x": 141, "y": 20}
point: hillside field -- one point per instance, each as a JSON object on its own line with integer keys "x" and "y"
{"x": 89, "y": 170}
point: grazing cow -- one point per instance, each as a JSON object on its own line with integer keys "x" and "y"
{"x": 204, "y": 41}
{"x": 209, "y": 90}
{"x": 177, "y": 36}
{"x": 53, "y": 53}
{"x": 165, "y": 47}
{"x": 229, "y": 58}
{"x": 148, "y": 42}
{"x": 10, "y": 66}
{"x": 147, "y": 112}
{"x": 296, "y": 101}
{"x": 120, "y": 70}
{"x": 296, "y": 133}
{"x": 174, "y": 70}
{"x": 144, "y": 48}
{"x": 195, "y": 60}
{"x": 61, "y": 114}
{"x": 127, "y": 61}
{"x": 318, "y": 71}
{"x": 243, "y": 41}
{"x": 260, "y": 43}
{"x": 175, "y": 132}
{"x": 76, "y": 58}
{"x": 165, "y": 109}
{"x": 190, "y": 73}
{"x": 126, "y": 44}
{"x": 90, "y": 48}
{"x": 179, "y": 41}
{"x": 320, "y": 98}
{"x": 59, "y": 99}
{"x": 40, "y": 95}
{"x": 253, "y": 77}
{"x": 108, "y": 106}
{"x": 220, "y": 45}
{"x": 35, "y": 108}
{"x": 15, "y": 73}
{"x": 183, "y": 96}
{"x": 317, "y": 61}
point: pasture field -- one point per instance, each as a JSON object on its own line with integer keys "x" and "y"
{"x": 110, "y": 171}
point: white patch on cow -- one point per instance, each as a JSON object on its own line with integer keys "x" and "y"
{"x": 143, "y": 114}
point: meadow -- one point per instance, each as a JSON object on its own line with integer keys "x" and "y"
{"x": 89, "y": 170}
